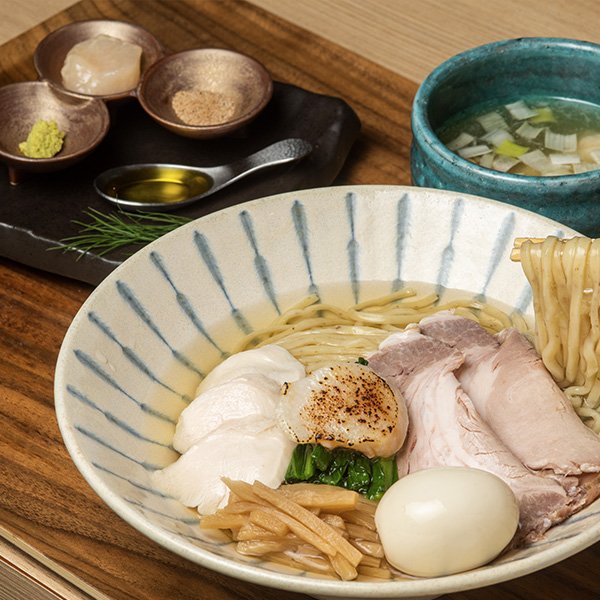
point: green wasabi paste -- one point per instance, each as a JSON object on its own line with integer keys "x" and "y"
{"x": 44, "y": 140}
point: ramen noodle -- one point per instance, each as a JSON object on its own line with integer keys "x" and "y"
{"x": 565, "y": 280}
{"x": 318, "y": 334}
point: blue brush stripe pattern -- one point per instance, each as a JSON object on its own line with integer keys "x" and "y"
{"x": 211, "y": 263}
{"x": 525, "y": 299}
{"x": 118, "y": 436}
{"x": 187, "y": 521}
{"x": 184, "y": 303}
{"x": 301, "y": 228}
{"x": 133, "y": 357}
{"x": 122, "y": 425}
{"x": 352, "y": 247}
{"x": 260, "y": 262}
{"x": 448, "y": 253}
{"x": 96, "y": 438}
{"x": 402, "y": 229}
{"x": 87, "y": 361}
{"x": 502, "y": 243}
{"x": 135, "y": 484}
{"x": 127, "y": 294}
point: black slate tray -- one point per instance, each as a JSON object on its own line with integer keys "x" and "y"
{"x": 39, "y": 212}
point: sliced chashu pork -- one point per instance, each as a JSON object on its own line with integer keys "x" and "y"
{"x": 517, "y": 397}
{"x": 446, "y": 430}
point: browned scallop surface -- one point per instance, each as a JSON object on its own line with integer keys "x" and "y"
{"x": 345, "y": 405}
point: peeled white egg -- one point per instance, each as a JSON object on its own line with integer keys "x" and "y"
{"x": 446, "y": 520}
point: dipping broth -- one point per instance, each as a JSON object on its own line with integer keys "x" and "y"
{"x": 535, "y": 136}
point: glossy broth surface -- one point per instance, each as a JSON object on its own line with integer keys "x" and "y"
{"x": 536, "y": 136}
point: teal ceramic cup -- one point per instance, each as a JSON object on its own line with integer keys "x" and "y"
{"x": 507, "y": 71}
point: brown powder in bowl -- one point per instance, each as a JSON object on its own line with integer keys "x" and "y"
{"x": 203, "y": 107}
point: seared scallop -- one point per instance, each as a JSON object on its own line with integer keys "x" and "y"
{"x": 345, "y": 405}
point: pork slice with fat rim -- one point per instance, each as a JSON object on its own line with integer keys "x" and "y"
{"x": 446, "y": 430}
{"x": 517, "y": 397}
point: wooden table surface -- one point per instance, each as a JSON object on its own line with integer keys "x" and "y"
{"x": 57, "y": 538}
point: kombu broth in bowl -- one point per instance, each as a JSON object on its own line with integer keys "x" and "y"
{"x": 483, "y": 80}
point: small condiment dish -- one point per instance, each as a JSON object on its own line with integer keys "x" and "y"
{"x": 50, "y": 54}
{"x": 205, "y": 93}
{"x": 497, "y": 73}
{"x": 85, "y": 122}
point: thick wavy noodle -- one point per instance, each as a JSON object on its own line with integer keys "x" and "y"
{"x": 565, "y": 280}
{"x": 318, "y": 334}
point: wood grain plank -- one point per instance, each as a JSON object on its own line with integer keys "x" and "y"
{"x": 44, "y": 501}
{"x": 17, "y": 16}
{"x": 407, "y": 37}
{"x": 25, "y": 573}
{"x": 411, "y": 38}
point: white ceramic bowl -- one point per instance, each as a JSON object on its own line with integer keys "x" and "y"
{"x": 138, "y": 345}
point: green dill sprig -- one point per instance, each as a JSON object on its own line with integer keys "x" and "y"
{"x": 108, "y": 232}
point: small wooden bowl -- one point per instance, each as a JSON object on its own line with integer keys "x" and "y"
{"x": 51, "y": 52}
{"x": 85, "y": 122}
{"x": 213, "y": 75}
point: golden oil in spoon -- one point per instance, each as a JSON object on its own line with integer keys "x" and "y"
{"x": 160, "y": 187}
{"x": 160, "y": 184}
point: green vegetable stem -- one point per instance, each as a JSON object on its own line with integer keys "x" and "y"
{"x": 385, "y": 473}
{"x": 341, "y": 467}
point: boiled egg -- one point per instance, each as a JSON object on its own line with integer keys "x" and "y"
{"x": 446, "y": 520}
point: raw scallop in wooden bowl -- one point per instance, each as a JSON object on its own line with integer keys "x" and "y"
{"x": 101, "y": 58}
{"x": 153, "y": 329}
